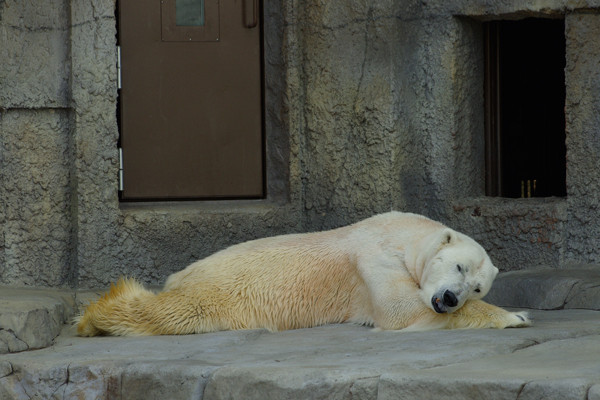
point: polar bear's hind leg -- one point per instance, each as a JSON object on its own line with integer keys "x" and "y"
{"x": 130, "y": 309}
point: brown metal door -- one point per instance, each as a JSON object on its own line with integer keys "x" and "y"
{"x": 191, "y": 108}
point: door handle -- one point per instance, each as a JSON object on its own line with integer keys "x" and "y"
{"x": 254, "y": 21}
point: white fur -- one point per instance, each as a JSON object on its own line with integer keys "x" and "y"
{"x": 391, "y": 271}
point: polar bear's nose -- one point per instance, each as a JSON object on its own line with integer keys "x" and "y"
{"x": 450, "y": 299}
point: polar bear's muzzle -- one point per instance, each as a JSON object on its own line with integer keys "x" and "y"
{"x": 442, "y": 301}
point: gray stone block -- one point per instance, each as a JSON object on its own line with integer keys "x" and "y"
{"x": 35, "y": 218}
{"x": 270, "y": 382}
{"x": 413, "y": 387}
{"x": 5, "y": 369}
{"x": 165, "y": 380}
{"x": 31, "y": 319}
{"x": 594, "y": 392}
{"x": 35, "y": 49}
{"x": 548, "y": 289}
{"x": 36, "y": 381}
{"x": 559, "y": 389}
{"x": 9, "y": 343}
{"x": 91, "y": 382}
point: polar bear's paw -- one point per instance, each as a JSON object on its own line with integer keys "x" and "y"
{"x": 518, "y": 319}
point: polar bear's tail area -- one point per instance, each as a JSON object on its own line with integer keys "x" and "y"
{"x": 130, "y": 309}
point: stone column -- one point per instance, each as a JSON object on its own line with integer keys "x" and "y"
{"x": 582, "y": 110}
{"x": 36, "y": 185}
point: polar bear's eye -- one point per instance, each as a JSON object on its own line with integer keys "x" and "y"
{"x": 459, "y": 268}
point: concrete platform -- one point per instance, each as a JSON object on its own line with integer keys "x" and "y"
{"x": 557, "y": 358}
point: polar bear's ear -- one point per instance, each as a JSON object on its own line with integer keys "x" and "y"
{"x": 448, "y": 237}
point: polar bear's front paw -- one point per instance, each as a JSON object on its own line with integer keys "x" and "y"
{"x": 519, "y": 319}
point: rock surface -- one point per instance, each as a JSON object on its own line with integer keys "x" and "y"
{"x": 548, "y": 289}
{"x": 557, "y": 358}
{"x": 31, "y": 319}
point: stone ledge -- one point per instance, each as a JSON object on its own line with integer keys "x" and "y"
{"x": 32, "y": 318}
{"x": 556, "y": 358}
{"x": 548, "y": 289}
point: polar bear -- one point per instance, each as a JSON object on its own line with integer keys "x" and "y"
{"x": 393, "y": 271}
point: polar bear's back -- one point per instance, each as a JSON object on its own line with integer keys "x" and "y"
{"x": 295, "y": 280}
{"x": 277, "y": 283}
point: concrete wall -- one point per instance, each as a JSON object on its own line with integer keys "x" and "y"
{"x": 370, "y": 106}
{"x": 37, "y": 240}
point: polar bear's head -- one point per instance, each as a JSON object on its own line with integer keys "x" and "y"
{"x": 456, "y": 269}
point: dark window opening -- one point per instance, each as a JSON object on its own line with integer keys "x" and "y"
{"x": 524, "y": 108}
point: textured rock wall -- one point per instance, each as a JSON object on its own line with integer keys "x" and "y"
{"x": 439, "y": 105}
{"x": 369, "y": 106}
{"x": 517, "y": 233}
{"x": 350, "y": 137}
{"x": 37, "y": 215}
{"x": 582, "y": 110}
{"x": 36, "y": 158}
{"x": 94, "y": 96}
{"x": 35, "y": 67}
{"x": 391, "y": 111}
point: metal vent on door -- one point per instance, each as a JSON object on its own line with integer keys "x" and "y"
{"x": 190, "y": 20}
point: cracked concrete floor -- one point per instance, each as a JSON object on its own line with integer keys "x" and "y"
{"x": 557, "y": 358}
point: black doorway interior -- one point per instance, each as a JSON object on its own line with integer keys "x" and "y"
{"x": 525, "y": 97}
